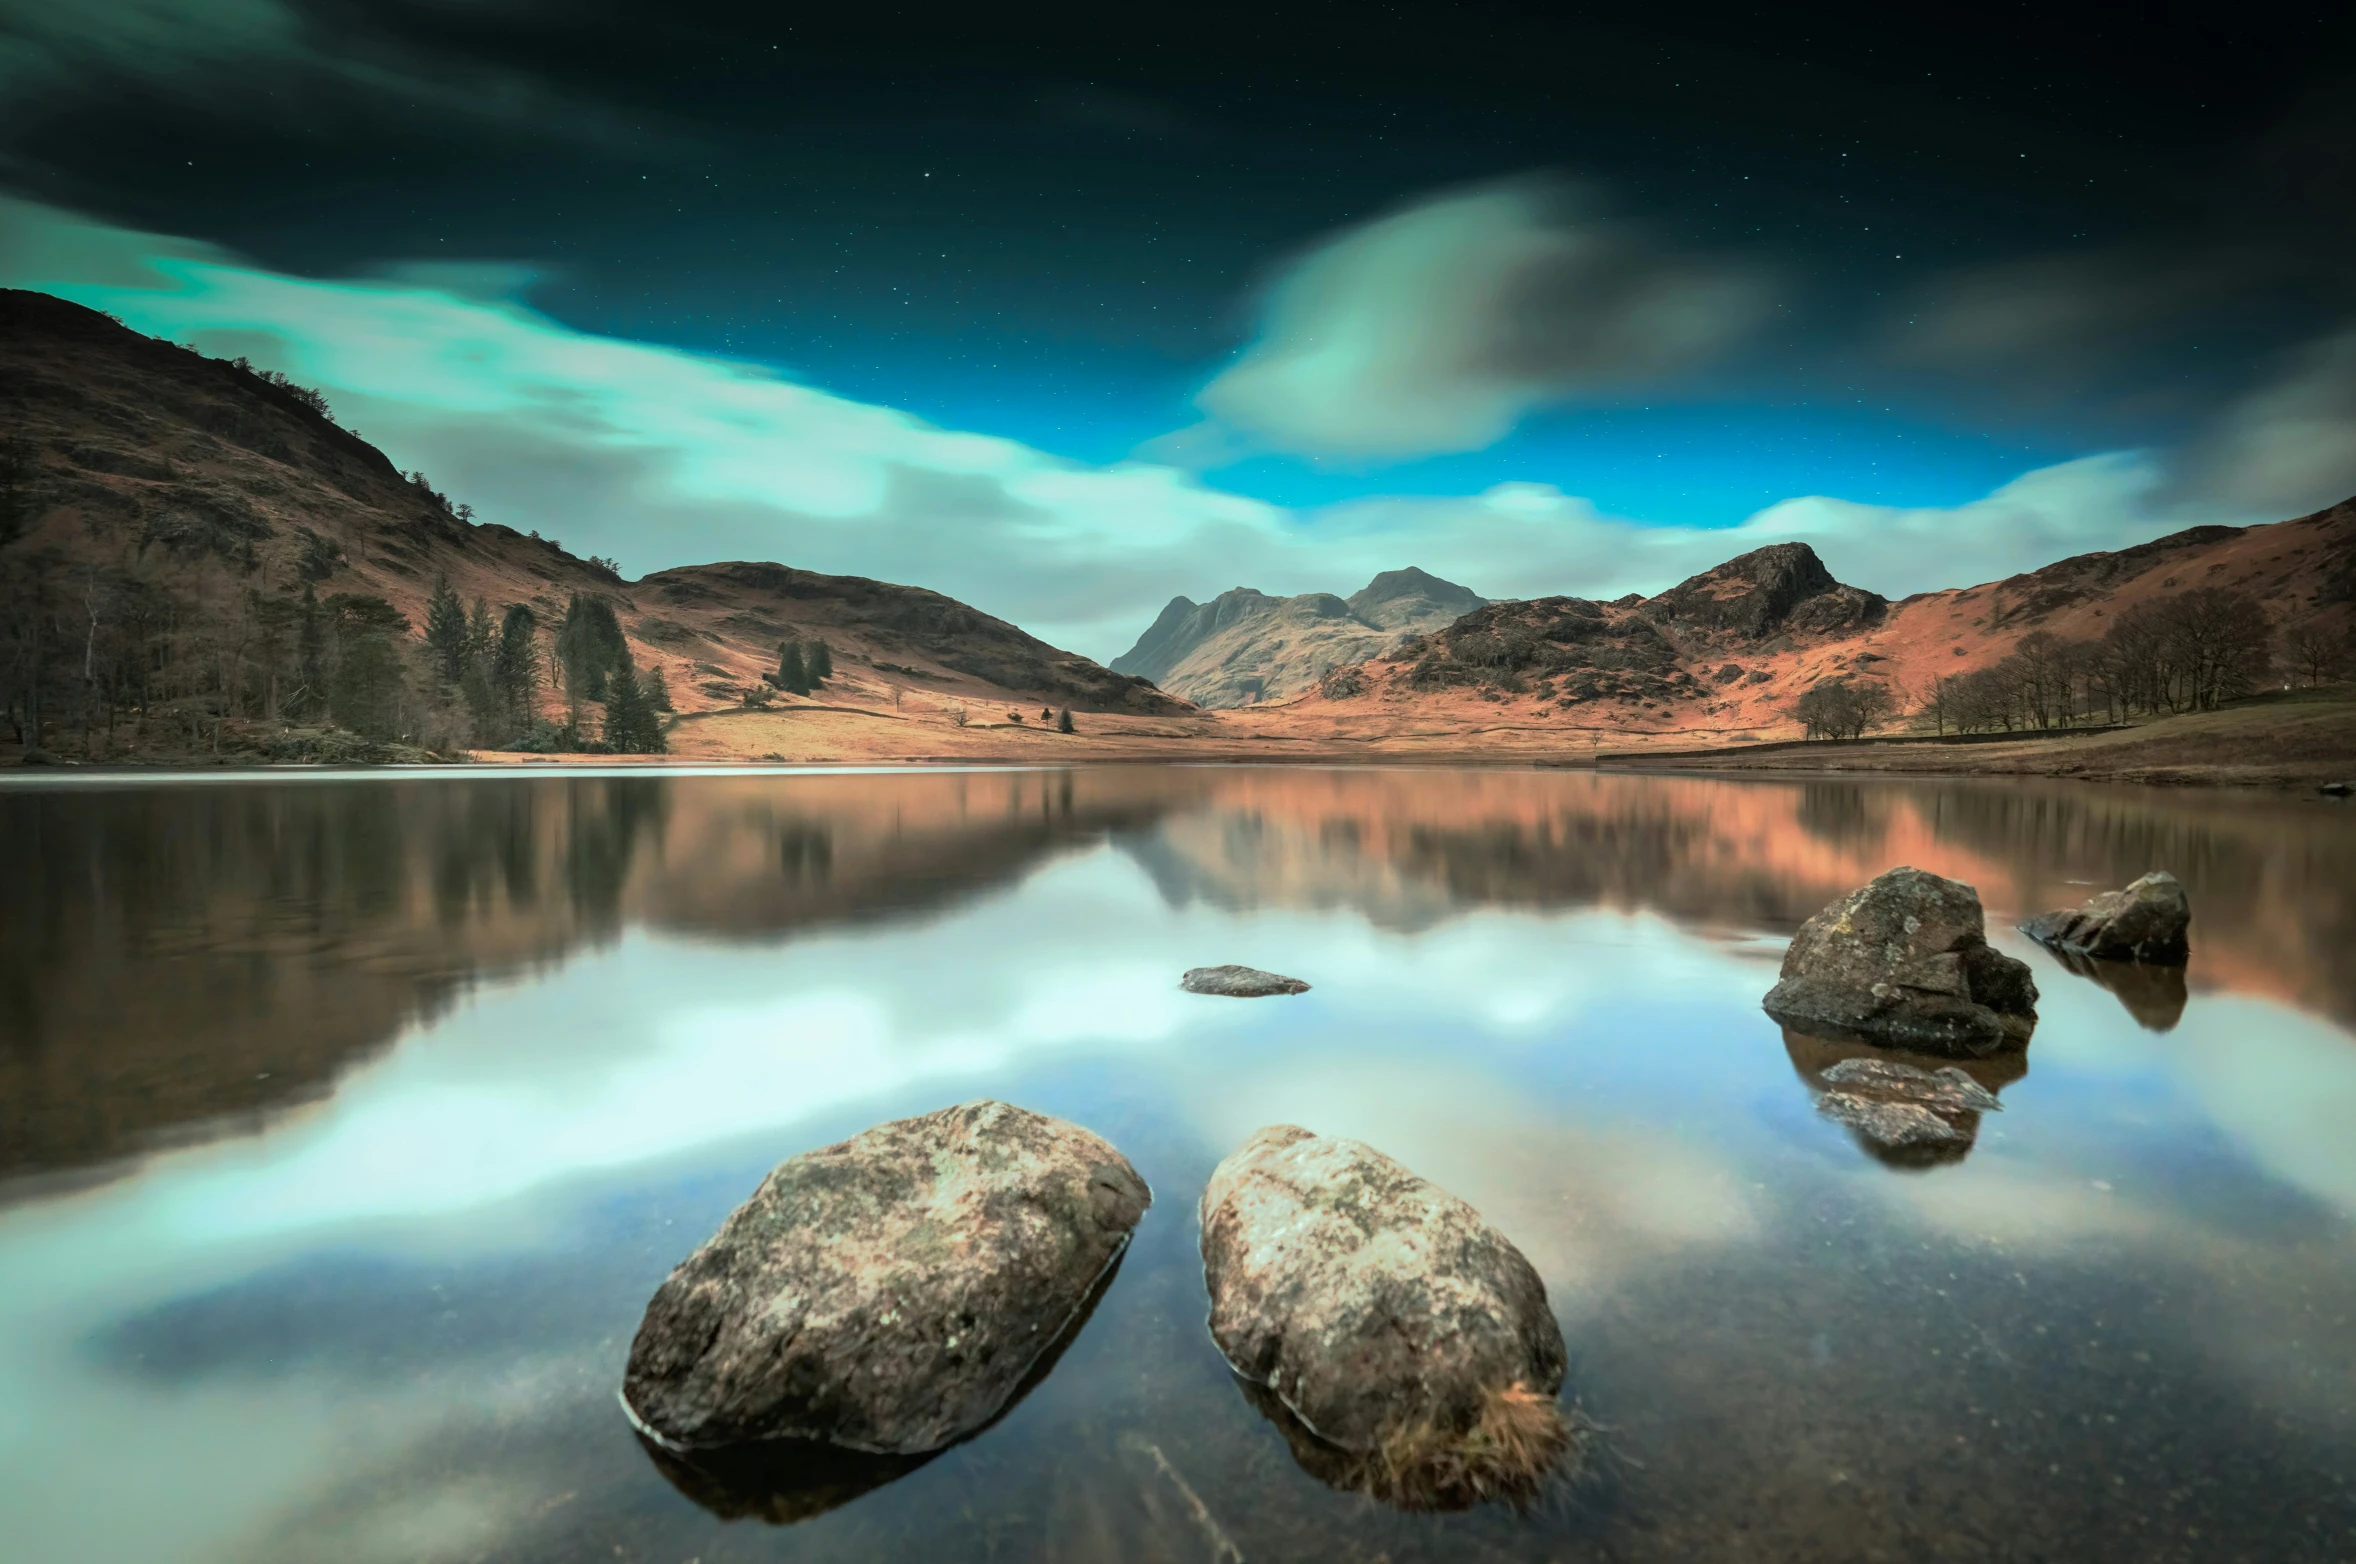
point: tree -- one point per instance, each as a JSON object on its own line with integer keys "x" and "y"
{"x": 1843, "y": 709}
{"x": 2315, "y": 656}
{"x": 446, "y": 633}
{"x": 310, "y": 691}
{"x": 793, "y": 674}
{"x": 631, "y": 726}
{"x": 818, "y": 663}
{"x": 367, "y": 694}
{"x": 658, "y": 691}
{"x": 589, "y": 645}
{"x": 514, "y": 668}
{"x": 1063, "y": 720}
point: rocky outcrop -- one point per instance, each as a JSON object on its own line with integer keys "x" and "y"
{"x": 1239, "y": 982}
{"x": 1905, "y": 962}
{"x": 2147, "y": 921}
{"x": 1408, "y": 1338}
{"x": 889, "y": 1293}
{"x": 1755, "y": 594}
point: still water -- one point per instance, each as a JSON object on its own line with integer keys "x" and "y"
{"x": 346, "y": 1125}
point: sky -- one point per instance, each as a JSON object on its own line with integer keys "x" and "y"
{"x": 1064, "y": 315}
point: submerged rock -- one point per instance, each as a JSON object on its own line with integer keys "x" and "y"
{"x": 2145, "y": 922}
{"x": 1904, "y": 962}
{"x": 1239, "y": 982}
{"x": 1897, "y": 1104}
{"x": 889, "y": 1293}
{"x": 1408, "y": 1339}
{"x": 1908, "y": 1111}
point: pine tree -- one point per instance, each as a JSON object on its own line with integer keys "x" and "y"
{"x": 445, "y": 632}
{"x": 631, "y": 726}
{"x": 514, "y": 667}
{"x": 793, "y": 676}
{"x": 819, "y": 664}
{"x": 482, "y": 631}
{"x": 658, "y": 690}
{"x": 1063, "y": 720}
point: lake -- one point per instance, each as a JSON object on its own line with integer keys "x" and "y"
{"x": 348, "y": 1122}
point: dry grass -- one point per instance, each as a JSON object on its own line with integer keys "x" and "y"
{"x": 1521, "y": 1441}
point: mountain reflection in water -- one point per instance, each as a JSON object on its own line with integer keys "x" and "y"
{"x": 176, "y": 955}
{"x": 347, "y": 1125}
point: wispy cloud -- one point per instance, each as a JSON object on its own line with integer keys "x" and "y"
{"x": 1435, "y": 328}
{"x": 264, "y": 60}
{"x": 661, "y": 457}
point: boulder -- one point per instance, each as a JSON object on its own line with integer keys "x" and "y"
{"x": 2145, "y": 922}
{"x": 1904, "y": 962}
{"x": 887, "y": 1294}
{"x": 1239, "y": 982}
{"x": 1408, "y": 1340}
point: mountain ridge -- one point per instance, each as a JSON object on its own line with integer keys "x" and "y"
{"x": 1245, "y": 645}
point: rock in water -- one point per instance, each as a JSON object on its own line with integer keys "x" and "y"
{"x": 1905, "y": 962}
{"x": 1897, "y": 1105}
{"x": 1409, "y": 1338}
{"x": 2145, "y": 922}
{"x": 886, "y": 1294}
{"x": 1239, "y": 982}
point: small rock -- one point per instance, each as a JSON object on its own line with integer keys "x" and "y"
{"x": 1905, "y": 962}
{"x": 1239, "y": 982}
{"x": 1946, "y": 1090}
{"x": 2145, "y": 922}
{"x": 1409, "y": 1339}
{"x": 889, "y": 1293}
{"x": 37, "y": 756}
{"x": 2337, "y": 789}
{"x": 1891, "y": 1124}
{"x": 1896, "y": 1106}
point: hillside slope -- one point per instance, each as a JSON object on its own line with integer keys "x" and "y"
{"x": 1724, "y": 655}
{"x": 1245, "y": 646}
{"x": 152, "y": 495}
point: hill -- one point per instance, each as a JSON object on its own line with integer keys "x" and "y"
{"x": 165, "y": 517}
{"x": 1245, "y": 646}
{"x": 1729, "y": 655}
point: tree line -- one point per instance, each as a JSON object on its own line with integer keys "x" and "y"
{"x": 115, "y": 659}
{"x": 2192, "y": 651}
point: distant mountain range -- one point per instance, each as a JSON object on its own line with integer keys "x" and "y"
{"x": 163, "y": 514}
{"x": 1245, "y": 646}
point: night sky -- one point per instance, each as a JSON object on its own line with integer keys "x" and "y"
{"x": 1577, "y": 300}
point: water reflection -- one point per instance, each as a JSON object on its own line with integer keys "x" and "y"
{"x": 546, "y": 1032}
{"x": 177, "y": 959}
{"x": 2154, "y": 995}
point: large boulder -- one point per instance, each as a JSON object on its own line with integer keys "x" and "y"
{"x": 1904, "y": 962}
{"x": 1408, "y": 1339}
{"x": 2145, "y": 922}
{"x": 889, "y": 1293}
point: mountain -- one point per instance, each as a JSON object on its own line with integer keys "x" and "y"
{"x": 1244, "y": 646}
{"x": 162, "y": 512}
{"x": 1725, "y": 653}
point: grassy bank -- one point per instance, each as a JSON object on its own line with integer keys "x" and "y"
{"x": 2292, "y": 739}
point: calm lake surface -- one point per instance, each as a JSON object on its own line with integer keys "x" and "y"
{"x": 346, "y": 1125}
